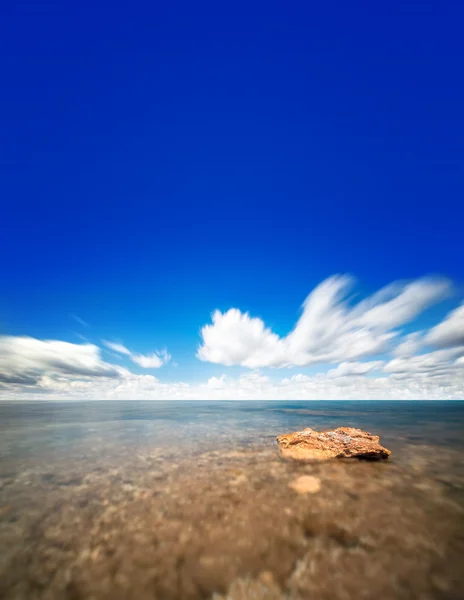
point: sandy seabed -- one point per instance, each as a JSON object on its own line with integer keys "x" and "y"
{"x": 125, "y": 522}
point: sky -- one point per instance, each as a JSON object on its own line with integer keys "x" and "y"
{"x": 246, "y": 201}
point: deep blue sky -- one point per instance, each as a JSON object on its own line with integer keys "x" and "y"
{"x": 161, "y": 160}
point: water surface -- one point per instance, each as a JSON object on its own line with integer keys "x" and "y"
{"x": 28, "y": 428}
{"x": 185, "y": 500}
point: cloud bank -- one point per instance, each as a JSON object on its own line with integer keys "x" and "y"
{"x": 440, "y": 383}
{"x": 361, "y": 347}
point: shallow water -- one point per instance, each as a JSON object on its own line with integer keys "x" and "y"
{"x": 35, "y": 427}
{"x": 190, "y": 499}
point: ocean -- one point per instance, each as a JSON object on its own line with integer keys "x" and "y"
{"x": 170, "y": 500}
{"x": 28, "y": 428}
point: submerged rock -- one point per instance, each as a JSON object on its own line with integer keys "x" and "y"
{"x": 306, "y": 484}
{"x": 344, "y": 442}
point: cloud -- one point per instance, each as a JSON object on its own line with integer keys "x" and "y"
{"x": 435, "y": 376}
{"x": 24, "y": 360}
{"x": 248, "y": 381}
{"x": 411, "y": 344}
{"x": 345, "y": 369}
{"x": 299, "y": 378}
{"x": 329, "y": 330}
{"x": 332, "y": 329}
{"x": 432, "y": 364}
{"x": 150, "y": 361}
{"x": 417, "y": 385}
{"x": 217, "y": 383}
{"x": 116, "y": 347}
{"x": 79, "y": 320}
{"x": 449, "y": 332}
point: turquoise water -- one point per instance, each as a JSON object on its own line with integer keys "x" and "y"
{"x": 28, "y": 428}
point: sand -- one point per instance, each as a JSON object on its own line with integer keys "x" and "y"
{"x": 160, "y": 523}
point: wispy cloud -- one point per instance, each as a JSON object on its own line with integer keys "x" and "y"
{"x": 117, "y": 347}
{"x": 80, "y": 321}
{"x": 450, "y": 332}
{"x": 347, "y": 369}
{"x": 329, "y": 330}
{"x": 150, "y": 361}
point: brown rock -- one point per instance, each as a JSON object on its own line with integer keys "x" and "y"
{"x": 344, "y": 442}
{"x": 306, "y": 484}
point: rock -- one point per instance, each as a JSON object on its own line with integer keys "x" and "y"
{"x": 344, "y": 442}
{"x": 267, "y": 578}
{"x": 306, "y": 484}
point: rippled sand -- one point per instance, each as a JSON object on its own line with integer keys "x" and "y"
{"x": 222, "y": 520}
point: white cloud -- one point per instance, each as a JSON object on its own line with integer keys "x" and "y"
{"x": 411, "y": 344}
{"x": 150, "y": 361}
{"x": 299, "y": 378}
{"x": 252, "y": 386}
{"x": 217, "y": 383}
{"x": 58, "y": 365}
{"x": 24, "y": 360}
{"x": 432, "y": 364}
{"x": 235, "y": 338}
{"x": 248, "y": 381}
{"x": 117, "y": 347}
{"x": 449, "y": 332}
{"x": 329, "y": 330}
{"x": 345, "y": 369}
{"x": 54, "y": 370}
